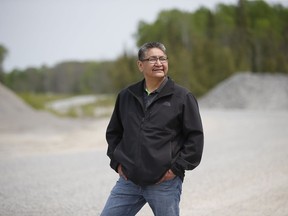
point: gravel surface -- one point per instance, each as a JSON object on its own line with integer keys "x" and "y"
{"x": 244, "y": 172}
{"x": 51, "y": 167}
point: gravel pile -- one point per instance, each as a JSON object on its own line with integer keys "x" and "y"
{"x": 10, "y": 104}
{"x": 249, "y": 91}
{"x": 24, "y": 130}
{"x": 15, "y": 114}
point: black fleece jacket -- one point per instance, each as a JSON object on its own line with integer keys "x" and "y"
{"x": 148, "y": 142}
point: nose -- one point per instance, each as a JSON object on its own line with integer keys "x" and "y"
{"x": 158, "y": 61}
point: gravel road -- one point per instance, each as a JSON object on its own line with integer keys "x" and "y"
{"x": 54, "y": 184}
{"x": 244, "y": 172}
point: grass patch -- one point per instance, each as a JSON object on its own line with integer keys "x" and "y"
{"x": 38, "y": 101}
{"x": 100, "y": 108}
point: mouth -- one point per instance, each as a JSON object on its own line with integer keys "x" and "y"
{"x": 158, "y": 69}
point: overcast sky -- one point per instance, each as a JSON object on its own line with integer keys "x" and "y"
{"x": 38, "y": 32}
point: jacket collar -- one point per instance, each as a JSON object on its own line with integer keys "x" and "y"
{"x": 137, "y": 88}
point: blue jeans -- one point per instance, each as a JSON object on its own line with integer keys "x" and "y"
{"x": 126, "y": 198}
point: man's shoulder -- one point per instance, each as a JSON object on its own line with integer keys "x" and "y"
{"x": 183, "y": 93}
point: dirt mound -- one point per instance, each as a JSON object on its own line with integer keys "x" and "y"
{"x": 249, "y": 91}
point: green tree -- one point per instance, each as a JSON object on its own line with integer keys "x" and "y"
{"x": 124, "y": 72}
{"x": 3, "y": 53}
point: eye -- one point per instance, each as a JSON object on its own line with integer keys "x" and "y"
{"x": 153, "y": 59}
{"x": 163, "y": 58}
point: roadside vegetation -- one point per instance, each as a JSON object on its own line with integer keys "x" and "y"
{"x": 39, "y": 100}
{"x": 102, "y": 107}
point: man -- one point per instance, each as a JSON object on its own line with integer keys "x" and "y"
{"x": 154, "y": 135}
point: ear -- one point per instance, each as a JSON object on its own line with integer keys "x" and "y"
{"x": 140, "y": 66}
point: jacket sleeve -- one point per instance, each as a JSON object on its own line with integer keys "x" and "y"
{"x": 114, "y": 134}
{"x": 192, "y": 149}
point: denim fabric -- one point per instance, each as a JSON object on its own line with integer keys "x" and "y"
{"x": 126, "y": 198}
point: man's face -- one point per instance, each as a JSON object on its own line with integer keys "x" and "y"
{"x": 152, "y": 68}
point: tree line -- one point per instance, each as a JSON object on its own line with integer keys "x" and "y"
{"x": 204, "y": 47}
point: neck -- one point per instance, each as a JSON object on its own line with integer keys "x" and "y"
{"x": 153, "y": 84}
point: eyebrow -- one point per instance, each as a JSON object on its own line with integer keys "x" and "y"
{"x": 157, "y": 56}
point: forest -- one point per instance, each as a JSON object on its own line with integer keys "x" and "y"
{"x": 204, "y": 47}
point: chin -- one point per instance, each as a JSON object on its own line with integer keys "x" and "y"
{"x": 160, "y": 74}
